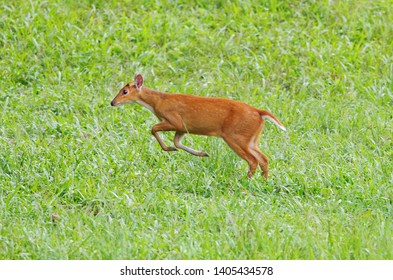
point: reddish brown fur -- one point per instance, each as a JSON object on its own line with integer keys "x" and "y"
{"x": 239, "y": 124}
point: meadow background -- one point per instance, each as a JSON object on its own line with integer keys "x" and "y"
{"x": 80, "y": 179}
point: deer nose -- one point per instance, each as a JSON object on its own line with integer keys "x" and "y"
{"x": 112, "y": 104}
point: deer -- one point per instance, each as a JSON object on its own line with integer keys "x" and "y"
{"x": 240, "y": 125}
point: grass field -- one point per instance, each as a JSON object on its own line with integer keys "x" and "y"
{"x": 80, "y": 179}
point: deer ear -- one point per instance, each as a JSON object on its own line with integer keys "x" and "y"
{"x": 138, "y": 81}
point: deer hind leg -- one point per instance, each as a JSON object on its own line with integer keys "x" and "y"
{"x": 242, "y": 150}
{"x": 262, "y": 158}
{"x": 178, "y": 144}
{"x": 163, "y": 126}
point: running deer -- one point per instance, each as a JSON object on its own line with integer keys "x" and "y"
{"x": 239, "y": 124}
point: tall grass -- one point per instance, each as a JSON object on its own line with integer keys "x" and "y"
{"x": 82, "y": 180}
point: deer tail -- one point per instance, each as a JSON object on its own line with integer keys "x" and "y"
{"x": 267, "y": 115}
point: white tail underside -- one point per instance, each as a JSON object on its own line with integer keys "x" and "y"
{"x": 273, "y": 121}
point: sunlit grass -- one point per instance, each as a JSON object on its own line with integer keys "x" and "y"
{"x": 82, "y": 180}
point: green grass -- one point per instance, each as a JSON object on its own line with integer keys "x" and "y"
{"x": 323, "y": 67}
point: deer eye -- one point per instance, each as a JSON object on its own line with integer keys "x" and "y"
{"x": 125, "y": 91}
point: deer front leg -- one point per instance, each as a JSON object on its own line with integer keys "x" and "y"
{"x": 178, "y": 144}
{"x": 163, "y": 126}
